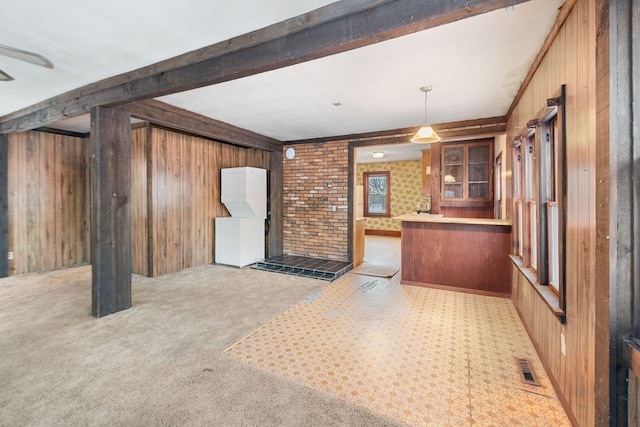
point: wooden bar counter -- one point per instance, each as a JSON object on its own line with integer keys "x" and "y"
{"x": 464, "y": 254}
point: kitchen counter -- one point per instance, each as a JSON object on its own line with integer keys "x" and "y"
{"x": 463, "y": 254}
{"x": 447, "y": 220}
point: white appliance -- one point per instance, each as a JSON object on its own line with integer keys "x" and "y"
{"x": 239, "y": 239}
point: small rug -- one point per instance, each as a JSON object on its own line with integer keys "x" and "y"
{"x": 375, "y": 270}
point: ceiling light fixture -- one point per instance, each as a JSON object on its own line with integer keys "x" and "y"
{"x": 377, "y": 154}
{"x": 426, "y": 134}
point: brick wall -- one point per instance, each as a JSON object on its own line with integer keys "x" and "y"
{"x": 316, "y": 181}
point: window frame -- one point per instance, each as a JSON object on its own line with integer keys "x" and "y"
{"x": 546, "y": 206}
{"x": 550, "y": 194}
{"x": 365, "y": 185}
{"x": 530, "y": 181}
{"x": 518, "y": 244}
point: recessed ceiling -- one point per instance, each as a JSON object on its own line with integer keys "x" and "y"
{"x": 475, "y": 65}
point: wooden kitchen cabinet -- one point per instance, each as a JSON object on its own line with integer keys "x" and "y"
{"x": 466, "y": 177}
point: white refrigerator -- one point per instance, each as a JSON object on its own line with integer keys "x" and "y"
{"x": 240, "y": 238}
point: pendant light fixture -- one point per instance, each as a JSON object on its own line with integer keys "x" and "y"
{"x": 426, "y": 134}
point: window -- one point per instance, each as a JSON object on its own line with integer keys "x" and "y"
{"x": 529, "y": 193}
{"x": 550, "y": 192}
{"x": 518, "y": 230}
{"x": 497, "y": 187}
{"x": 539, "y": 211}
{"x": 377, "y": 194}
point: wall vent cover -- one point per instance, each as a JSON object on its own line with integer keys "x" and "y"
{"x": 526, "y": 372}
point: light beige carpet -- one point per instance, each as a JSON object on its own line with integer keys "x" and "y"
{"x": 159, "y": 363}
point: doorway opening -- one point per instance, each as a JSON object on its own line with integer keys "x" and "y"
{"x": 377, "y": 232}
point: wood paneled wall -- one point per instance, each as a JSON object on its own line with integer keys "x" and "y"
{"x": 48, "y": 201}
{"x": 175, "y": 182}
{"x": 571, "y": 61}
{"x": 464, "y": 212}
{"x": 183, "y": 198}
{"x": 139, "y": 203}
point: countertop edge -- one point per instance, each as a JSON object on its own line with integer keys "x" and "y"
{"x": 449, "y": 220}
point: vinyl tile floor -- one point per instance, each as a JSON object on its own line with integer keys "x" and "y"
{"x": 425, "y": 357}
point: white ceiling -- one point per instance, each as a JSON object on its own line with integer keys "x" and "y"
{"x": 475, "y": 65}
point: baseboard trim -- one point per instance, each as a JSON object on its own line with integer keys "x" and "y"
{"x": 456, "y": 289}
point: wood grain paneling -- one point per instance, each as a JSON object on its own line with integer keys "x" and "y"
{"x": 469, "y": 257}
{"x": 633, "y": 418}
{"x": 463, "y": 212}
{"x": 181, "y": 120}
{"x": 184, "y": 196}
{"x": 175, "y": 197}
{"x": 570, "y": 60}
{"x": 110, "y": 154}
{"x": 603, "y": 213}
{"x": 274, "y": 238}
{"x": 139, "y": 201}
{"x": 4, "y": 208}
{"x": 48, "y": 201}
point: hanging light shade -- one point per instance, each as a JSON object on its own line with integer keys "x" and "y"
{"x": 426, "y": 134}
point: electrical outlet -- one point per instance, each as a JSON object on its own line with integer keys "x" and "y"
{"x": 563, "y": 345}
{"x": 10, "y": 255}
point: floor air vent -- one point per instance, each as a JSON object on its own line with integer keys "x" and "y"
{"x": 526, "y": 372}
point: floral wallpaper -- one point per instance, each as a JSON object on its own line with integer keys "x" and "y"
{"x": 406, "y": 190}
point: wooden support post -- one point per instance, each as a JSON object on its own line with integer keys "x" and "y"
{"x": 617, "y": 168}
{"x": 110, "y": 210}
{"x": 4, "y": 206}
{"x": 275, "y": 241}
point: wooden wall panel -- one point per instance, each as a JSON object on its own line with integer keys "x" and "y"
{"x": 48, "y": 201}
{"x": 604, "y": 216}
{"x": 633, "y": 419}
{"x": 462, "y": 212}
{"x": 110, "y": 160}
{"x": 570, "y": 61}
{"x": 4, "y": 205}
{"x": 139, "y": 201}
{"x": 483, "y": 249}
{"x": 175, "y": 199}
{"x": 185, "y": 196}
{"x": 276, "y": 180}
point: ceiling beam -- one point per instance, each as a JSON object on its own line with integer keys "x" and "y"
{"x": 335, "y": 28}
{"x": 476, "y": 128}
{"x": 166, "y": 115}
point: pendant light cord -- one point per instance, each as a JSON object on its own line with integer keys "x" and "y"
{"x": 426, "y": 93}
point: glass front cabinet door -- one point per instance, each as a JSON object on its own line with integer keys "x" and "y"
{"x": 466, "y": 172}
